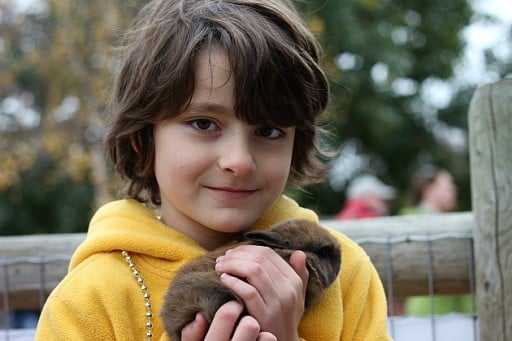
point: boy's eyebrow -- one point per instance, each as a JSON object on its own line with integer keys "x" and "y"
{"x": 206, "y": 106}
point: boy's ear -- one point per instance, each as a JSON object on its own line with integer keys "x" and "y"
{"x": 266, "y": 238}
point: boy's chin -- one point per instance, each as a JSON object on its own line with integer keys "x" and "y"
{"x": 231, "y": 223}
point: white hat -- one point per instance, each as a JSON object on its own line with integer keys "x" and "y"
{"x": 369, "y": 184}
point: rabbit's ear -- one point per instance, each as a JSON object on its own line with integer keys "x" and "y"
{"x": 267, "y": 238}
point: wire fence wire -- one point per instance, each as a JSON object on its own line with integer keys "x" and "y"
{"x": 435, "y": 334}
{"x": 18, "y": 324}
{"x": 9, "y": 327}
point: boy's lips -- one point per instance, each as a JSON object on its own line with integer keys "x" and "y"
{"x": 232, "y": 192}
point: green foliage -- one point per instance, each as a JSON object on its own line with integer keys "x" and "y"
{"x": 55, "y": 67}
{"x": 384, "y": 44}
{"x": 379, "y": 54}
{"x": 45, "y": 202}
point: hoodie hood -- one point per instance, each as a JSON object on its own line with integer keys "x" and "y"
{"x": 131, "y": 226}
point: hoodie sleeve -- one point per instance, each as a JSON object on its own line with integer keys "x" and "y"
{"x": 63, "y": 321}
{"x": 98, "y": 300}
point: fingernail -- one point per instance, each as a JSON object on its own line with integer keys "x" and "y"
{"x": 218, "y": 266}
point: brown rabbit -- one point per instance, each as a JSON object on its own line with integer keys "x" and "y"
{"x": 197, "y": 287}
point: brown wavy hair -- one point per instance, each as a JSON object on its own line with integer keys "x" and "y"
{"x": 275, "y": 68}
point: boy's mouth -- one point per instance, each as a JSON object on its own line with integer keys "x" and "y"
{"x": 231, "y": 193}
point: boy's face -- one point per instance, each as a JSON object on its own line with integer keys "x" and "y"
{"x": 216, "y": 173}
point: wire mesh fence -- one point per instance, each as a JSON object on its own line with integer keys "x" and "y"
{"x": 435, "y": 266}
{"x": 444, "y": 313}
{"x": 26, "y": 283}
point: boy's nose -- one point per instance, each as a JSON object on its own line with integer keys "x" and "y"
{"x": 237, "y": 158}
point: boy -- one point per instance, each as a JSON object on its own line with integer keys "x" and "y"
{"x": 213, "y": 114}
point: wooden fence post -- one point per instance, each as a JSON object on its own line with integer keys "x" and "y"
{"x": 490, "y": 136}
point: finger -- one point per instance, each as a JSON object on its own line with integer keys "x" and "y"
{"x": 195, "y": 330}
{"x": 259, "y": 265}
{"x": 248, "y": 329}
{"x": 262, "y": 280}
{"x": 224, "y": 322}
{"x": 266, "y": 336}
{"x": 298, "y": 263}
{"x": 260, "y": 254}
{"x": 242, "y": 289}
{"x": 269, "y": 287}
{"x": 265, "y": 270}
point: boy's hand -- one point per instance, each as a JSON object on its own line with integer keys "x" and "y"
{"x": 273, "y": 291}
{"x": 222, "y": 326}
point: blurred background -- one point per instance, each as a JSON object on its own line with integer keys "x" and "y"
{"x": 402, "y": 75}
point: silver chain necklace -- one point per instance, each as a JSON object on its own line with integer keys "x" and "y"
{"x": 144, "y": 289}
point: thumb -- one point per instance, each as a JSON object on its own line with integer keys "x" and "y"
{"x": 298, "y": 263}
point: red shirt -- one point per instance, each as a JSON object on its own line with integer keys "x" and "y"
{"x": 356, "y": 209}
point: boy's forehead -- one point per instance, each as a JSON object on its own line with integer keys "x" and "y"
{"x": 212, "y": 68}
{"x": 213, "y": 84}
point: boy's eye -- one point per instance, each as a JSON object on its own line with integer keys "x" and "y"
{"x": 270, "y": 132}
{"x": 203, "y": 124}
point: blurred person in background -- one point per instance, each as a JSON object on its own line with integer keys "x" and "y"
{"x": 367, "y": 197}
{"x": 434, "y": 191}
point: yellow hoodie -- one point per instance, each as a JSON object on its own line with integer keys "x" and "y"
{"x": 100, "y": 298}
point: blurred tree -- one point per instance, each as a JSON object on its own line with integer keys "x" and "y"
{"x": 45, "y": 202}
{"x": 55, "y": 66}
{"x": 389, "y": 62}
